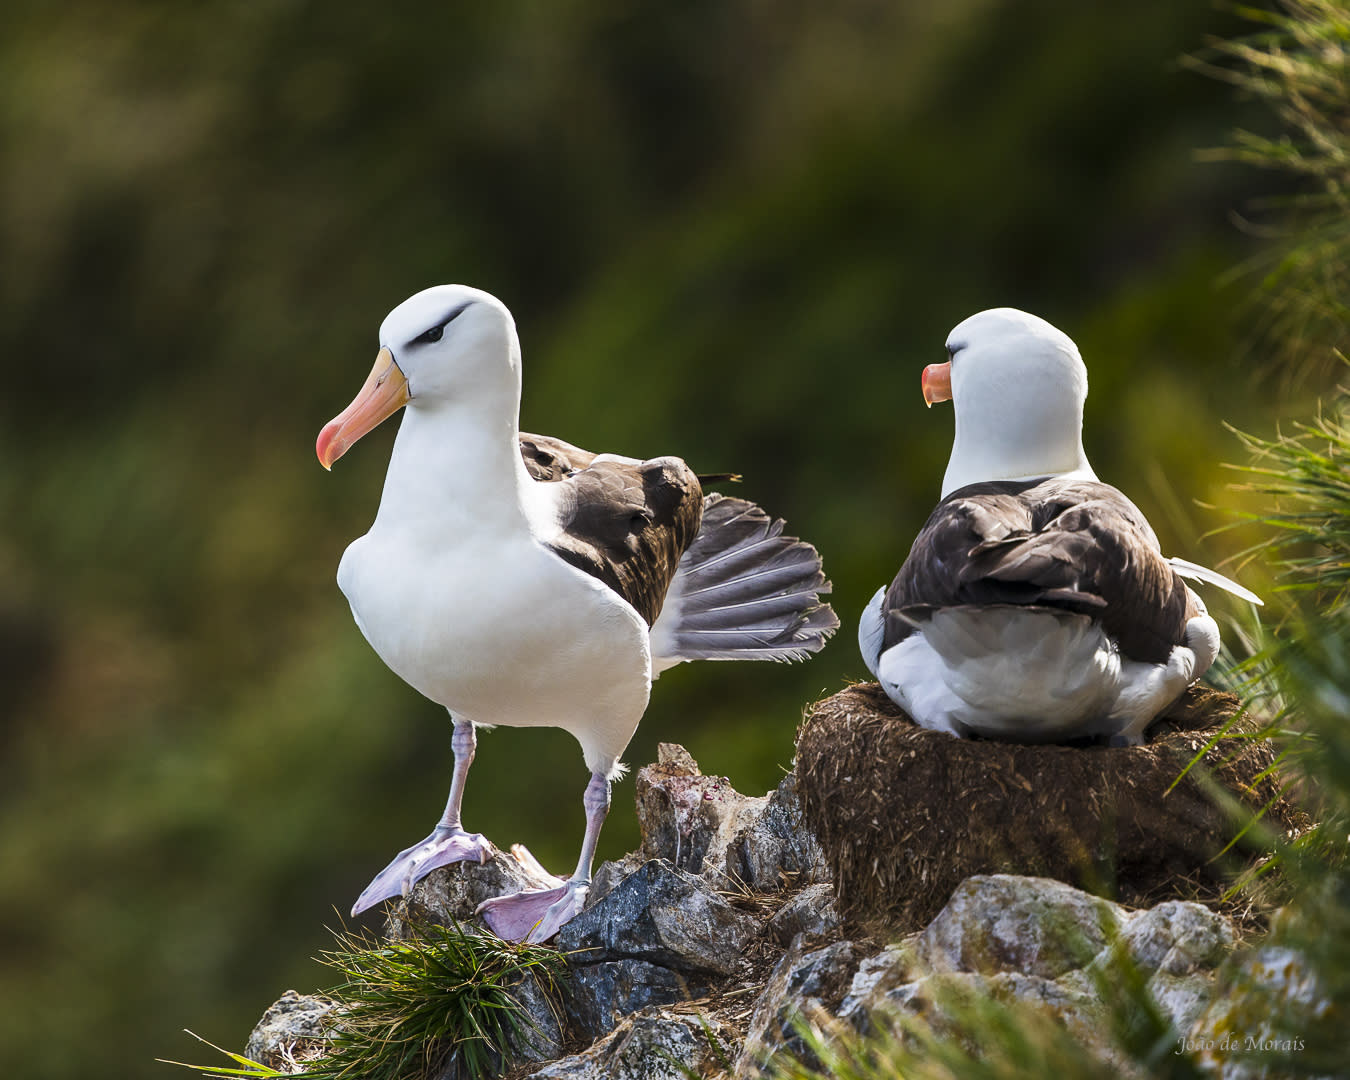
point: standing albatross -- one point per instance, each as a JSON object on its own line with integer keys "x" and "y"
{"x": 518, "y": 580}
{"x": 1035, "y": 604}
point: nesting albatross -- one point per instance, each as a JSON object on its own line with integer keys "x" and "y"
{"x": 1035, "y": 604}
{"x": 518, "y": 580}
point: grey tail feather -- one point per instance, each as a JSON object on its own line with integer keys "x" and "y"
{"x": 744, "y": 591}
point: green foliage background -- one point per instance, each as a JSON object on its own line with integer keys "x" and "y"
{"x": 734, "y": 231}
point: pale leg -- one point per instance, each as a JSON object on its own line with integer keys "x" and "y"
{"x": 448, "y": 842}
{"x": 537, "y": 914}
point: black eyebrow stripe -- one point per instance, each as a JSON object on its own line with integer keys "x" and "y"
{"x": 455, "y": 313}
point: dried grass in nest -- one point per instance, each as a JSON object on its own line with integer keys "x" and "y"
{"x": 905, "y": 814}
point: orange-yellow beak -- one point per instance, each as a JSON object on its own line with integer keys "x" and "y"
{"x": 937, "y": 383}
{"x": 385, "y": 392}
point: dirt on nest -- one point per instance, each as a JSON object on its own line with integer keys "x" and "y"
{"x": 905, "y": 814}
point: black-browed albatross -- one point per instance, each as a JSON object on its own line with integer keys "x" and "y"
{"x": 518, "y": 580}
{"x": 1035, "y": 604}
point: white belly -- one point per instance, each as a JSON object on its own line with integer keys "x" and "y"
{"x": 1025, "y": 676}
{"x": 504, "y": 633}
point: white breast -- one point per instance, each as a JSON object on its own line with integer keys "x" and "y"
{"x": 503, "y": 632}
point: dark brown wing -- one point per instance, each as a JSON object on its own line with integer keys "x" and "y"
{"x": 1072, "y": 545}
{"x": 548, "y": 458}
{"x": 626, "y": 523}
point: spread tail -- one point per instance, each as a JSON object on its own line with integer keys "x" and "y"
{"x": 743, "y": 591}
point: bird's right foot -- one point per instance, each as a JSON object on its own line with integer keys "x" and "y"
{"x": 444, "y": 846}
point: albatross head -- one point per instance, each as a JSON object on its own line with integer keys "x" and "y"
{"x": 447, "y": 345}
{"x": 1017, "y": 386}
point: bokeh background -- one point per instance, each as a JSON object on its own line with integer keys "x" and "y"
{"x": 730, "y": 230}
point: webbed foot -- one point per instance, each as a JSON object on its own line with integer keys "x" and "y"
{"x": 534, "y": 915}
{"x": 444, "y": 846}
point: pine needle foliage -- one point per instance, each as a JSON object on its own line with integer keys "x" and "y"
{"x": 440, "y": 1004}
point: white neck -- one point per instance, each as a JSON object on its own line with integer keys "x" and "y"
{"x": 456, "y": 468}
{"x": 1016, "y": 424}
{"x": 973, "y": 461}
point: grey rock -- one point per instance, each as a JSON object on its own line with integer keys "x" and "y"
{"x": 1176, "y": 946}
{"x": 450, "y": 894}
{"x": 1043, "y": 944}
{"x": 803, "y": 985}
{"x": 655, "y": 1044}
{"x": 1029, "y": 925}
{"x": 811, "y": 911}
{"x": 292, "y": 1031}
{"x": 663, "y": 916}
{"x": 1177, "y": 937}
{"x": 1257, "y": 1031}
{"x": 1182, "y": 998}
{"x": 773, "y": 847}
{"x": 898, "y": 980}
{"x": 610, "y": 873}
{"x": 685, "y": 817}
{"x": 702, "y": 825}
{"x": 598, "y": 996}
{"x": 542, "y": 1039}
{"x": 895, "y": 966}
{"x": 1070, "y": 1002}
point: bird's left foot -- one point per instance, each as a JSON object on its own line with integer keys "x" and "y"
{"x": 534, "y": 915}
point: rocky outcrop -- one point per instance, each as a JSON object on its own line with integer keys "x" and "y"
{"x": 1031, "y": 940}
{"x": 706, "y": 949}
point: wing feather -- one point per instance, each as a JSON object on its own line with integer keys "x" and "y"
{"x": 624, "y": 522}
{"x": 1071, "y": 545}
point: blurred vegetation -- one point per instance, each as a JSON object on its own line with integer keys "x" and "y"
{"x": 734, "y": 231}
{"x": 1294, "y": 63}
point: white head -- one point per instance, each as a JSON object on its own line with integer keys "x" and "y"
{"x": 1017, "y": 386}
{"x": 449, "y": 346}
{"x": 454, "y": 343}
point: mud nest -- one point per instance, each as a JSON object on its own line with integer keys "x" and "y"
{"x": 905, "y": 814}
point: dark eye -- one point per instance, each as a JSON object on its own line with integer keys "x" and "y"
{"x": 426, "y": 337}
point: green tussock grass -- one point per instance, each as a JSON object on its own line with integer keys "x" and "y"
{"x": 442, "y": 1003}
{"x": 1304, "y": 477}
{"x": 1298, "y": 65}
